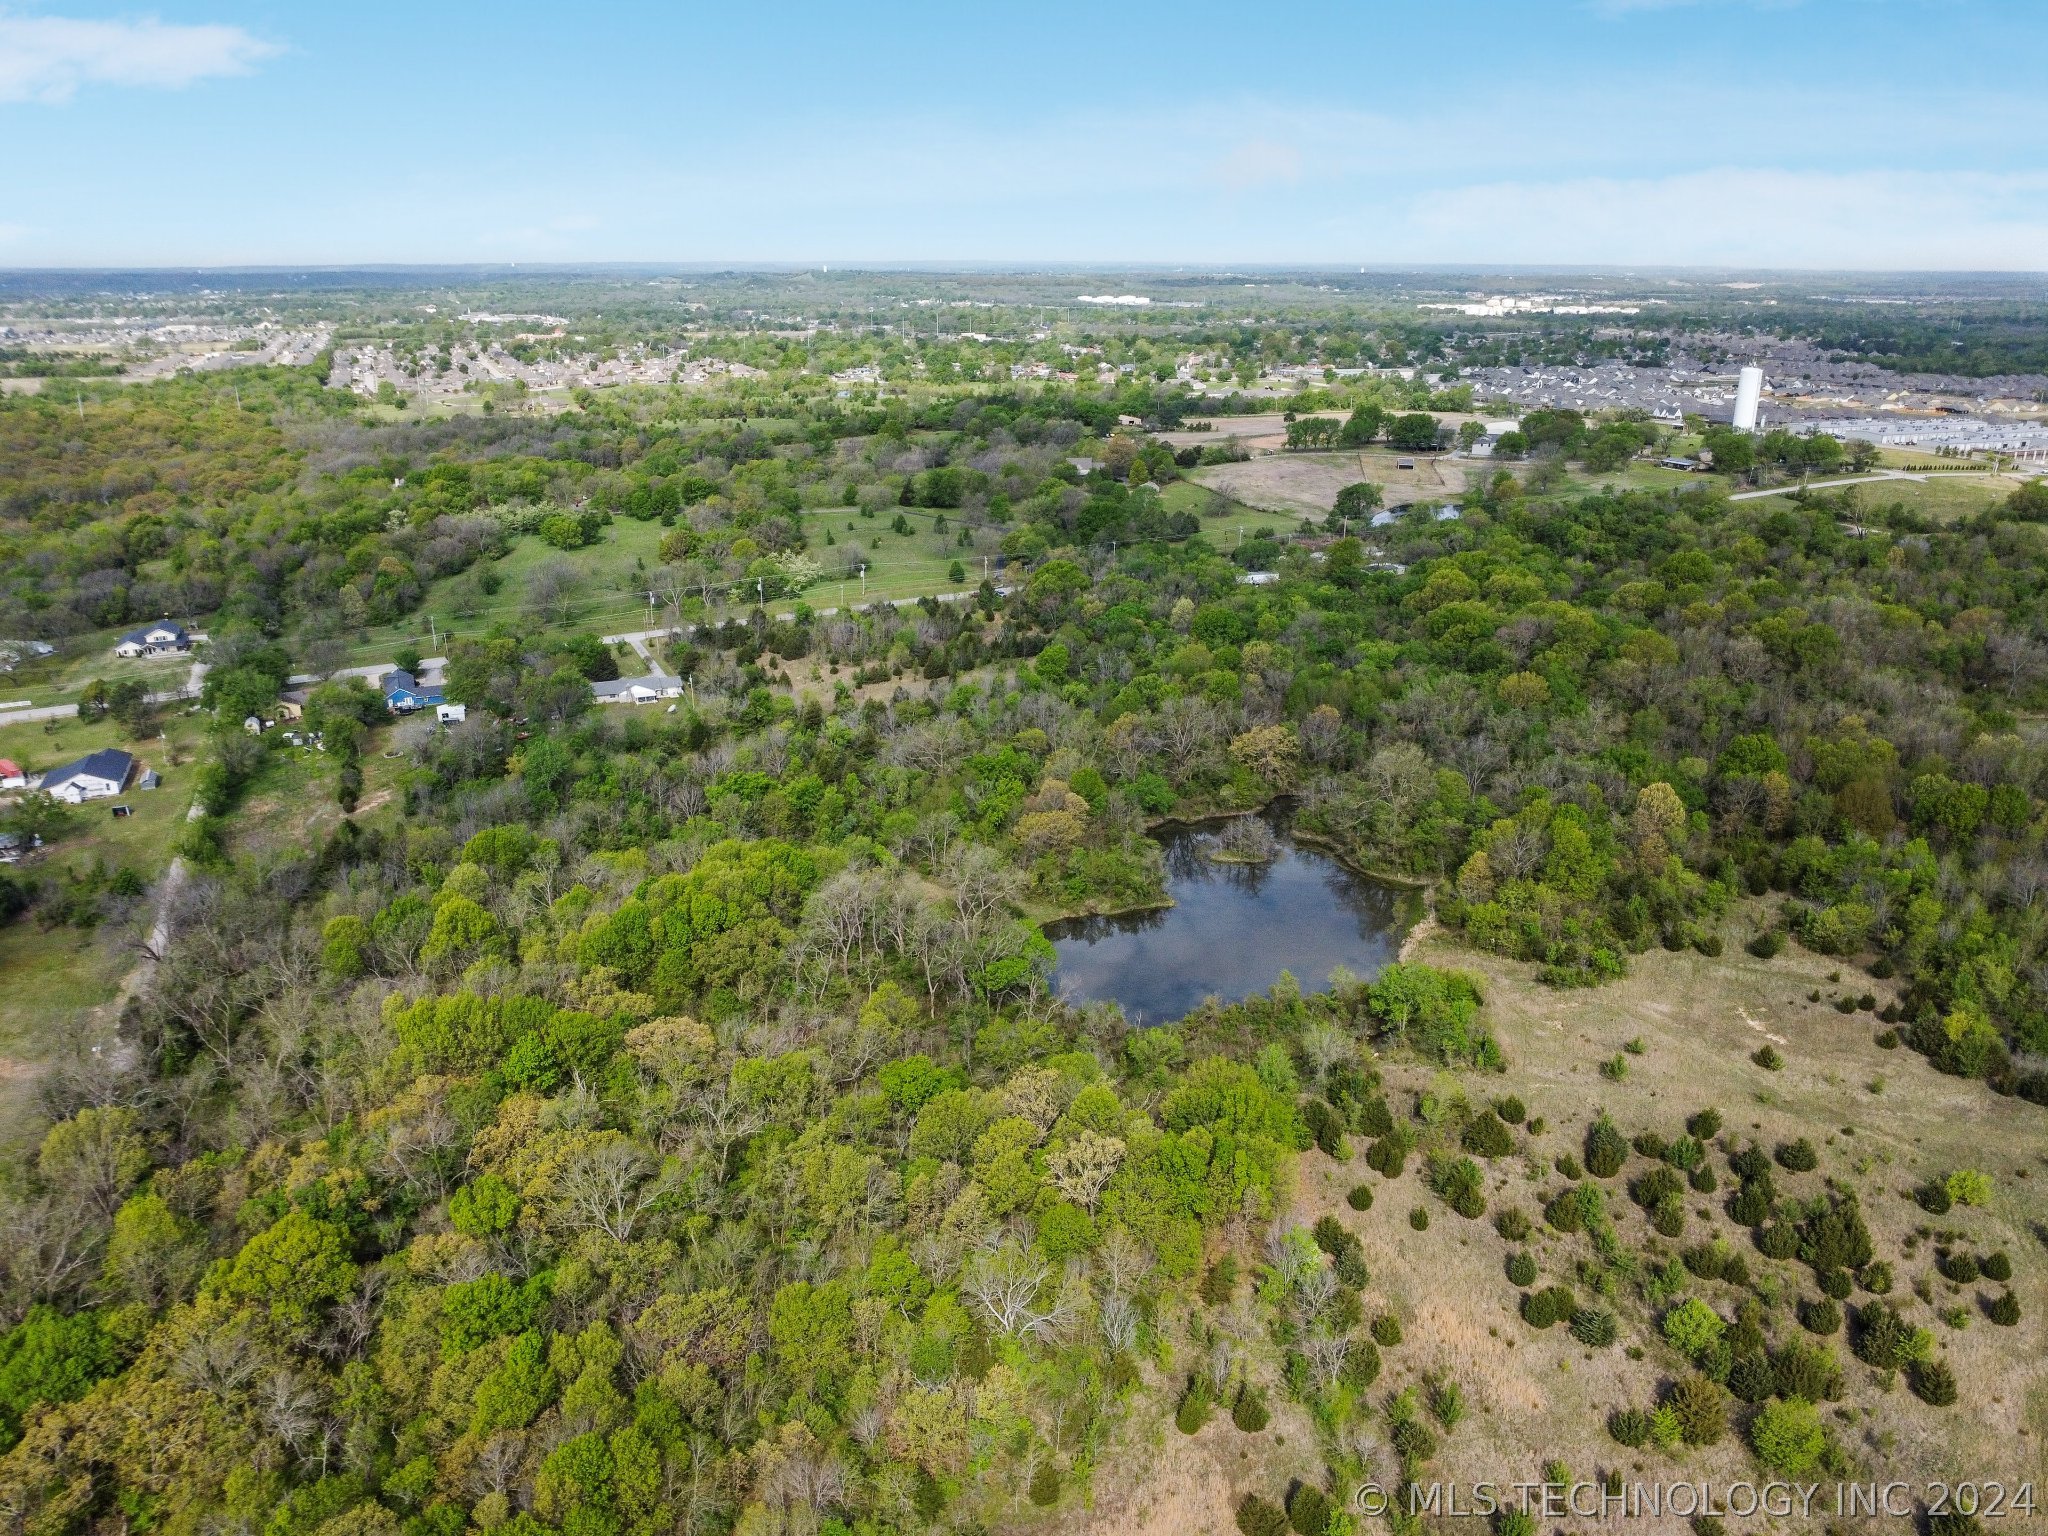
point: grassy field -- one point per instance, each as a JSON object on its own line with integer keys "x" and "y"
{"x": 1946, "y": 498}
{"x": 56, "y": 983}
{"x": 899, "y": 565}
{"x": 1883, "y": 1122}
{"x": 1307, "y": 483}
{"x": 52, "y": 984}
{"x": 613, "y": 576}
{"x": 611, "y": 592}
{"x": 142, "y": 841}
{"x": 290, "y": 807}
{"x": 1224, "y": 519}
{"x": 79, "y": 660}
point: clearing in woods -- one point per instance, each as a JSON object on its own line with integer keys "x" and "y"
{"x": 1884, "y": 1123}
{"x": 1309, "y": 482}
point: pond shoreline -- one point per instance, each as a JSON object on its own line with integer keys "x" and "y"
{"x": 1040, "y": 916}
{"x": 1231, "y": 922}
{"x": 1335, "y": 850}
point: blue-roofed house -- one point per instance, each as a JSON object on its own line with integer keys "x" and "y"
{"x": 404, "y": 693}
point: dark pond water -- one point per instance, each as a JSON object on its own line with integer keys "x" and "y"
{"x": 1233, "y": 928}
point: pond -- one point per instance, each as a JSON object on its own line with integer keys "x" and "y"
{"x": 1232, "y": 928}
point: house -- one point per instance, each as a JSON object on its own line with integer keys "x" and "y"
{"x": 95, "y": 776}
{"x": 291, "y": 704}
{"x": 161, "y": 639}
{"x": 637, "y": 690}
{"x": 11, "y": 775}
{"x": 451, "y": 714}
{"x": 404, "y": 693}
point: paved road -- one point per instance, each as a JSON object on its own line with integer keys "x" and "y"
{"x": 1881, "y": 475}
{"x": 31, "y": 716}
{"x": 639, "y": 639}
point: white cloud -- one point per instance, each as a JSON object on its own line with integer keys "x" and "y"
{"x": 47, "y": 58}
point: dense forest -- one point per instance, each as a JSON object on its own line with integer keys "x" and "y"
{"x": 666, "y": 1121}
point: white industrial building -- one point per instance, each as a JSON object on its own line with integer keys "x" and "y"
{"x": 2026, "y": 441}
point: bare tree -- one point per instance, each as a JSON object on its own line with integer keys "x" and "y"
{"x": 1315, "y": 1290}
{"x": 608, "y": 1189}
{"x": 1123, "y": 1261}
{"x": 48, "y": 1244}
{"x": 551, "y": 591}
{"x": 219, "y": 1361}
{"x": 352, "y": 1322}
{"x": 1514, "y": 854}
{"x": 288, "y": 1406}
{"x": 801, "y": 1477}
{"x": 984, "y": 888}
{"x": 496, "y": 1468}
{"x": 1326, "y": 1352}
{"x": 2018, "y": 658}
{"x": 1189, "y": 731}
{"x": 1118, "y": 1322}
{"x": 1008, "y": 1284}
{"x": 940, "y": 946}
{"x": 722, "y": 1116}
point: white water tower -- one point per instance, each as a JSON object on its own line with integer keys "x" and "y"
{"x": 1749, "y": 393}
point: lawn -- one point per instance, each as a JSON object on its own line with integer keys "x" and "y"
{"x": 82, "y": 658}
{"x": 289, "y": 807}
{"x": 899, "y": 565}
{"x": 1946, "y": 498}
{"x": 95, "y": 836}
{"x": 52, "y": 980}
{"x": 611, "y": 593}
{"x": 1223, "y": 516}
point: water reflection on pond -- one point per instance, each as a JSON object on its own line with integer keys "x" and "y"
{"x": 1232, "y": 930}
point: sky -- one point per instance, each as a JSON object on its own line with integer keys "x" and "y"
{"x": 1785, "y": 134}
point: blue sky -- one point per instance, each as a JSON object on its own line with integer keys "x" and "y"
{"x": 1830, "y": 133}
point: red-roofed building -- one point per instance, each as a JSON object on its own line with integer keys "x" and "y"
{"x": 11, "y": 776}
